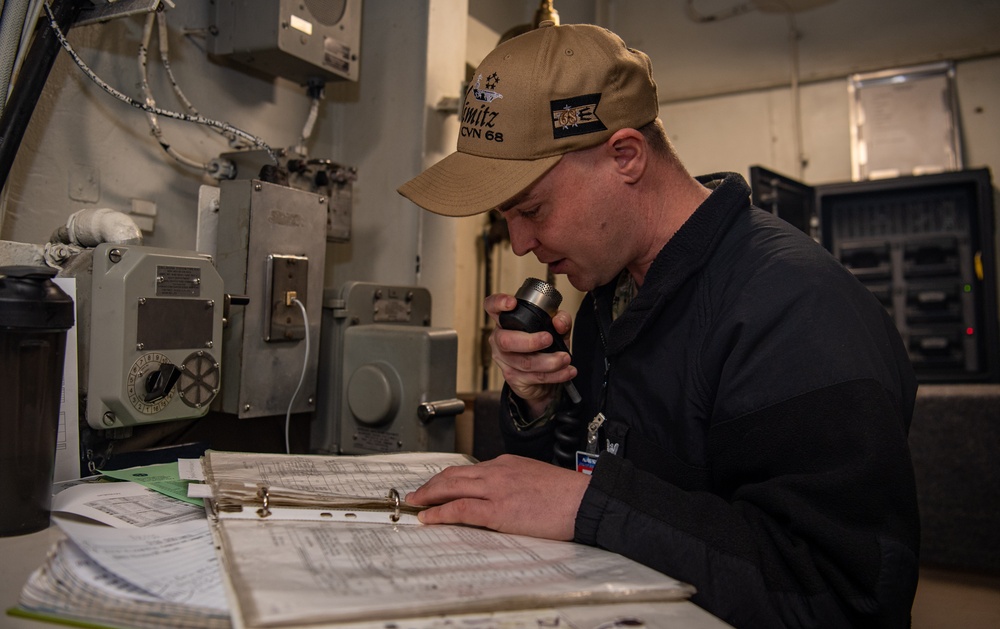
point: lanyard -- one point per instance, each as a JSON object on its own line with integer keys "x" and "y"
{"x": 595, "y": 424}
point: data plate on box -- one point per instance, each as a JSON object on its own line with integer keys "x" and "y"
{"x": 174, "y": 323}
{"x": 178, "y": 281}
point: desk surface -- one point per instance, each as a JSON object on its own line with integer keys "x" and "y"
{"x": 20, "y": 555}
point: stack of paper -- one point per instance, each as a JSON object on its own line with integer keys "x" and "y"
{"x": 150, "y": 563}
{"x": 145, "y": 578}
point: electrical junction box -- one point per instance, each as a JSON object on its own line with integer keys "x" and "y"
{"x": 387, "y": 378}
{"x": 155, "y": 335}
{"x": 270, "y": 249}
{"x": 301, "y": 40}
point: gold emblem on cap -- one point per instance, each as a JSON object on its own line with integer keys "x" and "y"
{"x": 568, "y": 117}
{"x": 572, "y": 116}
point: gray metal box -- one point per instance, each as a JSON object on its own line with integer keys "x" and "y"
{"x": 156, "y": 315}
{"x": 301, "y": 40}
{"x": 271, "y": 247}
{"x": 382, "y": 366}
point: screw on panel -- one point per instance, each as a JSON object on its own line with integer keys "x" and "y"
{"x": 140, "y": 346}
{"x": 246, "y": 407}
{"x": 142, "y": 301}
{"x": 210, "y": 303}
{"x": 115, "y": 255}
{"x": 208, "y": 343}
{"x": 109, "y": 418}
{"x": 322, "y": 200}
{"x": 258, "y": 187}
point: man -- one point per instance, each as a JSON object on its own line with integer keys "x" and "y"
{"x": 750, "y": 397}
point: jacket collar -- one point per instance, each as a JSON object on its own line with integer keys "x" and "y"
{"x": 679, "y": 259}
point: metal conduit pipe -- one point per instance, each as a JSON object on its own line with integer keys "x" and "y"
{"x": 11, "y": 24}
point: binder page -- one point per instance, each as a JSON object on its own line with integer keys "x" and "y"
{"x": 321, "y": 480}
{"x": 295, "y": 572}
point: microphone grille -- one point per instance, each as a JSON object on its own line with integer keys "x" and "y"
{"x": 542, "y": 294}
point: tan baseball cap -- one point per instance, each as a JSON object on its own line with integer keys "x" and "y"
{"x": 534, "y": 98}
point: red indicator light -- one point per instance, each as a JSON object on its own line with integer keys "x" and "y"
{"x": 970, "y": 331}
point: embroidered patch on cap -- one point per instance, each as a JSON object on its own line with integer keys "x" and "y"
{"x": 576, "y": 116}
{"x": 489, "y": 94}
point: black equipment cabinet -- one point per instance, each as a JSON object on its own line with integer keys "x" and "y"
{"x": 924, "y": 245}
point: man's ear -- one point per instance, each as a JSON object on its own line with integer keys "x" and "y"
{"x": 630, "y": 152}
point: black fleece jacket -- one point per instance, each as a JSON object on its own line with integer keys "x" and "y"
{"x": 758, "y": 401}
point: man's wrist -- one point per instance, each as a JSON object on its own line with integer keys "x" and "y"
{"x": 523, "y": 415}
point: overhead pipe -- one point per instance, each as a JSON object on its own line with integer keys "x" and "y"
{"x": 93, "y": 226}
{"x": 30, "y": 81}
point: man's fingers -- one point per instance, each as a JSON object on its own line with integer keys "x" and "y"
{"x": 497, "y": 303}
{"x": 460, "y": 481}
{"x": 470, "y": 511}
{"x": 515, "y": 341}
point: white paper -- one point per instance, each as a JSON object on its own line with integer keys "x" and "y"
{"x": 615, "y": 616}
{"x": 199, "y": 490}
{"x": 176, "y": 562}
{"x": 285, "y": 572}
{"x": 72, "y": 586}
{"x": 67, "y": 466}
{"x": 368, "y": 476}
{"x": 124, "y": 505}
{"x": 190, "y": 469}
{"x": 75, "y": 564}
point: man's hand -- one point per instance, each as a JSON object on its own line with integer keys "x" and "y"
{"x": 533, "y": 375}
{"x": 510, "y": 494}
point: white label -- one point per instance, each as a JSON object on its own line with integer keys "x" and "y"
{"x": 301, "y": 25}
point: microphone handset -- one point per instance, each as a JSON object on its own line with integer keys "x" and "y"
{"x": 537, "y": 303}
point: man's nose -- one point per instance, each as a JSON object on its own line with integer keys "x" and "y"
{"x": 522, "y": 240}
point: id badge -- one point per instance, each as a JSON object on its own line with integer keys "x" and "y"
{"x": 585, "y": 462}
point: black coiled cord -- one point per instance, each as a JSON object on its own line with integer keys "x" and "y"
{"x": 566, "y": 428}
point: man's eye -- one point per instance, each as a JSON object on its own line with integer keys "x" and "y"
{"x": 529, "y": 213}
